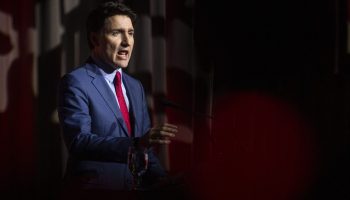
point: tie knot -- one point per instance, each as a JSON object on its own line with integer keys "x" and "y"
{"x": 117, "y": 78}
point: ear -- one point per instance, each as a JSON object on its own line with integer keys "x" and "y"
{"x": 94, "y": 39}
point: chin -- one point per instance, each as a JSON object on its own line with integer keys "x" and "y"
{"x": 122, "y": 64}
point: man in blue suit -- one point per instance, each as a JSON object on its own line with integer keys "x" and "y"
{"x": 98, "y": 127}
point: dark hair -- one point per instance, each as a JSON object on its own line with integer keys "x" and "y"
{"x": 96, "y": 18}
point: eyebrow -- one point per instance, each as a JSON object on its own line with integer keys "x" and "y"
{"x": 122, "y": 29}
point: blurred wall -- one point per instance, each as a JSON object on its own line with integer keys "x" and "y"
{"x": 259, "y": 90}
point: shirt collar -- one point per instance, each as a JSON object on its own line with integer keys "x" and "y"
{"x": 109, "y": 76}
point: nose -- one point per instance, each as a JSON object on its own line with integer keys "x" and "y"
{"x": 125, "y": 40}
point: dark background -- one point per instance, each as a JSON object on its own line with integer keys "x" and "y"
{"x": 265, "y": 96}
{"x": 292, "y": 50}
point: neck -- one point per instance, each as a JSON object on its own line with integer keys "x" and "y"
{"x": 104, "y": 65}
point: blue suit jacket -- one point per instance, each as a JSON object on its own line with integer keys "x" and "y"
{"x": 94, "y": 130}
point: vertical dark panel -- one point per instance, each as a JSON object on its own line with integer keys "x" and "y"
{"x": 17, "y": 115}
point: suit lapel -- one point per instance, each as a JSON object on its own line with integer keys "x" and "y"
{"x": 132, "y": 104}
{"x": 101, "y": 86}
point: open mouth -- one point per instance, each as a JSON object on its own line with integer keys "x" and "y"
{"x": 123, "y": 54}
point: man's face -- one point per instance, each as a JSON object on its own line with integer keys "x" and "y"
{"x": 115, "y": 42}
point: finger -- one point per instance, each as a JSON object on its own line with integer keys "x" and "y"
{"x": 168, "y": 129}
{"x": 161, "y": 134}
{"x": 173, "y": 130}
{"x": 160, "y": 126}
{"x": 166, "y": 134}
{"x": 170, "y": 125}
{"x": 159, "y": 141}
{"x": 164, "y": 129}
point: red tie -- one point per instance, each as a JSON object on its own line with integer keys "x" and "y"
{"x": 121, "y": 101}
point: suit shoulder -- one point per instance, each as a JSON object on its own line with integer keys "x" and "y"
{"x": 76, "y": 77}
{"x": 132, "y": 80}
{"x": 131, "y": 77}
{"x": 81, "y": 69}
{"x": 78, "y": 72}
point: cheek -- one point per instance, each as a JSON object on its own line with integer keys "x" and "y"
{"x": 111, "y": 50}
{"x": 111, "y": 47}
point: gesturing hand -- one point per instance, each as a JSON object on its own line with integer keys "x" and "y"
{"x": 159, "y": 134}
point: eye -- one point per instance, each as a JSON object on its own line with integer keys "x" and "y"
{"x": 115, "y": 33}
{"x": 131, "y": 33}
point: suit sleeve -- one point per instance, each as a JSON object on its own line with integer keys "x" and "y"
{"x": 73, "y": 111}
{"x": 155, "y": 168}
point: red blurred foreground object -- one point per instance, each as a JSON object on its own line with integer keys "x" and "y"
{"x": 263, "y": 148}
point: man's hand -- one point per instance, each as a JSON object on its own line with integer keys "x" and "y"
{"x": 159, "y": 134}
